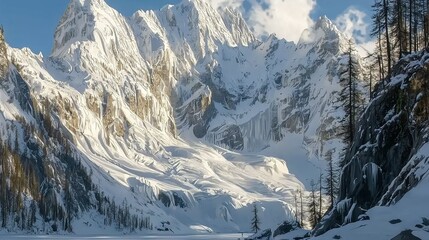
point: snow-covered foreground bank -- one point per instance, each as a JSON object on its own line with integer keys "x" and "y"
{"x": 71, "y": 237}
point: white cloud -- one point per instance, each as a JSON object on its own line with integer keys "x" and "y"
{"x": 352, "y": 23}
{"x": 227, "y": 3}
{"x": 286, "y": 18}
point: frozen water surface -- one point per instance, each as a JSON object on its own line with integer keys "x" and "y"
{"x": 71, "y": 237}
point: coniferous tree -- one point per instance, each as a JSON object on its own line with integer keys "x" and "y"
{"x": 398, "y": 27}
{"x": 320, "y": 214}
{"x": 370, "y": 83}
{"x": 302, "y": 208}
{"x": 425, "y": 19}
{"x": 331, "y": 180}
{"x": 401, "y": 27}
{"x": 385, "y": 15}
{"x": 295, "y": 197}
{"x": 313, "y": 206}
{"x": 381, "y": 32}
{"x": 255, "y": 224}
{"x": 410, "y": 7}
{"x": 350, "y": 95}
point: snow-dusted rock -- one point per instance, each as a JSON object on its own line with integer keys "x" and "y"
{"x": 389, "y": 154}
{"x": 262, "y": 235}
{"x": 111, "y": 97}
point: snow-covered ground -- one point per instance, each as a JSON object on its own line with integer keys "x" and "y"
{"x": 387, "y": 222}
{"x": 157, "y": 237}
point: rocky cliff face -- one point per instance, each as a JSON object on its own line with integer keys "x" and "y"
{"x": 40, "y": 166}
{"x": 219, "y": 92}
{"x": 96, "y": 121}
{"x": 139, "y": 105}
{"x": 387, "y": 158}
{"x": 296, "y": 94}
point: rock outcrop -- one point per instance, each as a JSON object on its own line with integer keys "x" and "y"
{"x": 383, "y": 164}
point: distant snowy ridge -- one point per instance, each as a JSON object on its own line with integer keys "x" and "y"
{"x": 176, "y": 115}
{"x": 114, "y": 107}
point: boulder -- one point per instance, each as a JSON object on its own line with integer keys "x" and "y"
{"x": 263, "y": 235}
{"x": 285, "y": 227}
{"x": 406, "y": 235}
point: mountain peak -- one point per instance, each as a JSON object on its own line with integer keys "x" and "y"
{"x": 323, "y": 30}
{"x": 87, "y": 2}
{"x": 194, "y": 24}
{"x": 326, "y": 24}
{"x": 88, "y": 20}
{"x": 76, "y": 22}
{"x": 93, "y": 37}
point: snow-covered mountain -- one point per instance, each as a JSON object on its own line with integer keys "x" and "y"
{"x": 175, "y": 120}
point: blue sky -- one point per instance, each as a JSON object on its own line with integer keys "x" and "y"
{"x": 31, "y": 23}
{"x": 332, "y": 8}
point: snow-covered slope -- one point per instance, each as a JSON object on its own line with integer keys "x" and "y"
{"x": 293, "y": 100}
{"x": 113, "y": 105}
{"x": 177, "y": 116}
{"x": 407, "y": 219}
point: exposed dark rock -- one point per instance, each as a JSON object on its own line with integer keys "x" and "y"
{"x": 12, "y": 81}
{"x": 197, "y": 112}
{"x": 200, "y": 129}
{"x": 169, "y": 199}
{"x": 219, "y": 94}
{"x": 229, "y": 135}
{"x": 395, "y": 221}
{"x": 363, "y": 217}
{"x": 263, "y": 235}
{"x": 21, "y": 92}
{"x": 391, "y": 129}
{"x": 285, "y": 227}
{"x": 406, "y": 235}
{"x": 337, "y": 237}
{"x": 164, "y": 198}
{"x": 178, "y": 201}
{"x": 425, "y": 221}
{"x": 419, "y": 226}
{"x": 164, "y": 227}
{"x": 54, "y": 227}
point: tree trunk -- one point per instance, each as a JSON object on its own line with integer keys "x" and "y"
{"x": 386, "y": 22}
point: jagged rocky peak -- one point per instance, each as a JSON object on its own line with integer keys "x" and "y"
{"x": 225, "y": 25}
{"x": 96, "y": 53}
{"x": 326, "y": 25}
{"x": 74, "y": 23}
{"x": 298, "y": 76}
{"x": 324, "y": 32}
{"x": 88, "y": 2}
{"x": 236, "y": 24}
{"x": 197, "y": 24}
{"x": 90, "y": 30}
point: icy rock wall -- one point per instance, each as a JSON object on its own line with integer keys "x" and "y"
{"x": 382, "y": 164}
